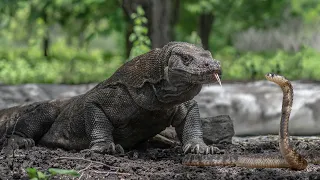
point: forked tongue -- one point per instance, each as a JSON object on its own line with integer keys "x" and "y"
{"x": 217, "y": 78}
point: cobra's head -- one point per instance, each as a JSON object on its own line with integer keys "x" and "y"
{"x": 191, "y": 64}
{"x": 278, "y": 79}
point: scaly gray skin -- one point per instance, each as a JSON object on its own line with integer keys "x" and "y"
{"x": 138, "y": 101}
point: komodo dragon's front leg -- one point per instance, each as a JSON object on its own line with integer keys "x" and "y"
{"x": 99, "y": 128}
{"x": 187, "y": 123}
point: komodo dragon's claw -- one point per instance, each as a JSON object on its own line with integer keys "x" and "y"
{"x": 213, "y": 150}
{"x": 16, "y": 141}
{"x": 186, "y": 148}
{"x": 199, "y": 148}
{"x": 119, "y": 149}
{"x": 107, "y": 148}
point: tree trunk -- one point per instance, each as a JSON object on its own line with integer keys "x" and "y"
{"x": 129, "y": 30}
{"x": 45, "y": 44}
{"x": 161, "y": 20}
{"x": 175, "y": 10}
{"x": 160, "y": 23}
{"x": 129, "y": 7}
{"x": 205, "y": 26}
{"x": 46, "y": 38}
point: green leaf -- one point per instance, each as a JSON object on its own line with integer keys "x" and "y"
{"x": 32, "y": 172}
{"x": 138, "y": 29}
{"x": 138, "y": 21}
{"x": 144, "y": 30}
{"x": 55, "y": 171}
{"x": 140, "y": 11}
{"x": 132, "y": 37}
{"x": 90, "y": 37}
{"x": 133, "y": 15}
{"x": 144, "y": 19}
{"x": 41, "y": 175}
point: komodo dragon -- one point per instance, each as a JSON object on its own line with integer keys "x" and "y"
{"x": 142, "y": 98}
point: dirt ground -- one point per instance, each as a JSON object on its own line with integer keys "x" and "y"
{"x": 156, "y": 163}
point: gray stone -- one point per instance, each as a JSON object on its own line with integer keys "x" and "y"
{"x": 217, "y": 129}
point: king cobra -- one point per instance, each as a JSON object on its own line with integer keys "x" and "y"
{"x": 288, "y": 157}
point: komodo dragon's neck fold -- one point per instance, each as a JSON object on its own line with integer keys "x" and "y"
{"x": 145, "y": 68}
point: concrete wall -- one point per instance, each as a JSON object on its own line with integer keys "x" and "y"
{"x": 256, "y": 107}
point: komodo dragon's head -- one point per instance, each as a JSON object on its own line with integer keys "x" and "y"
{"x": 191, "y": 64}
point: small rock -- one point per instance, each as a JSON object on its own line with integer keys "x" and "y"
{"x": 217, "y": 129}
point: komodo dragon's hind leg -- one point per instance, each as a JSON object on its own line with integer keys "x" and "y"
{"x": 26, "y": 126}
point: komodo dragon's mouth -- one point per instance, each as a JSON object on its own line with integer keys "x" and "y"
{"x": 207, "y": 78}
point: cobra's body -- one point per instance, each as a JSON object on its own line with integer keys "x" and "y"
{"x": 293, "y": 158}
{"x": 289, "y": 158}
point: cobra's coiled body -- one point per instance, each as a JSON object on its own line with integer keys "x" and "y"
{"x": 289, "y": 158}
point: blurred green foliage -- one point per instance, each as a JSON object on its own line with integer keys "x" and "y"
{"x": 80, "y": 21}
{"x": 139, "y": 37}
{"x": 67, "y": 65}
{"x": 34, "y": 174}
{"x": 251, "y": 66}
{"x": 87, "y": 38}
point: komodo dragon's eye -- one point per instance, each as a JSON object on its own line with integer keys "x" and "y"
{"x": 186, "y": 59}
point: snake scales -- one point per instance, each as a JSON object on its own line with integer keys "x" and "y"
{"x": 288, "y": 157}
